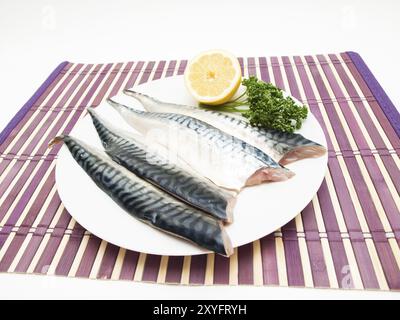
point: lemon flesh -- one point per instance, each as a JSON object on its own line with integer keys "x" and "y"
{"x": 213, "y": 77}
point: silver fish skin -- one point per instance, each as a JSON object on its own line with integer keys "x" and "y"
{"x": 147, "y": 203}
{"x": 224, "y": 159}
{"x": 128, "y": 151}
{"x": 283, "y": 147}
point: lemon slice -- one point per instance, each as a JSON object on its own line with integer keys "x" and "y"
{"x": 213, "y": 77}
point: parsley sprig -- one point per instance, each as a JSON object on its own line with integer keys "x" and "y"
{"x": 265, "y": 106}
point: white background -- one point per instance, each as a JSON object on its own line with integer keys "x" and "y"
{"x": 35, "y": 36}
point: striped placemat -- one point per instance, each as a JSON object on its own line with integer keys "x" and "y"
{"x": 347, "y": 237}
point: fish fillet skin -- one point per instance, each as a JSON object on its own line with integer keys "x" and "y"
{"x": 283, "y": 147}
{"x": 145, "y": 202}
{"x": 128, "y": 151}
{"x": 226, "y": 160}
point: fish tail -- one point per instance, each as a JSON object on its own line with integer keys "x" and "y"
{"x": 149, "y": 103}
{"x": 268, "y": 174}
{"x": 122, "y": 108}
{"x": 137, "y": 95}
{"x": 117, "y": 106}
{"x": 56, "y": 140}
{"x": 105, "y": 134}
{"x": 137, "y": 119}
{"x": 302, "y": 152}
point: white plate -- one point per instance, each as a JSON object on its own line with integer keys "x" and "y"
{"x": 260, "y": 210}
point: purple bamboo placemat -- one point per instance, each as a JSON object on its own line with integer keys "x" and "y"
{"x": 347, "y": 237}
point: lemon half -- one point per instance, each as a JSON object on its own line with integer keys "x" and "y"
{"x": 213, "y": 77}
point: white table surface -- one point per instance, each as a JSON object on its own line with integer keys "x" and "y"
{"x": 35, "y": 36}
